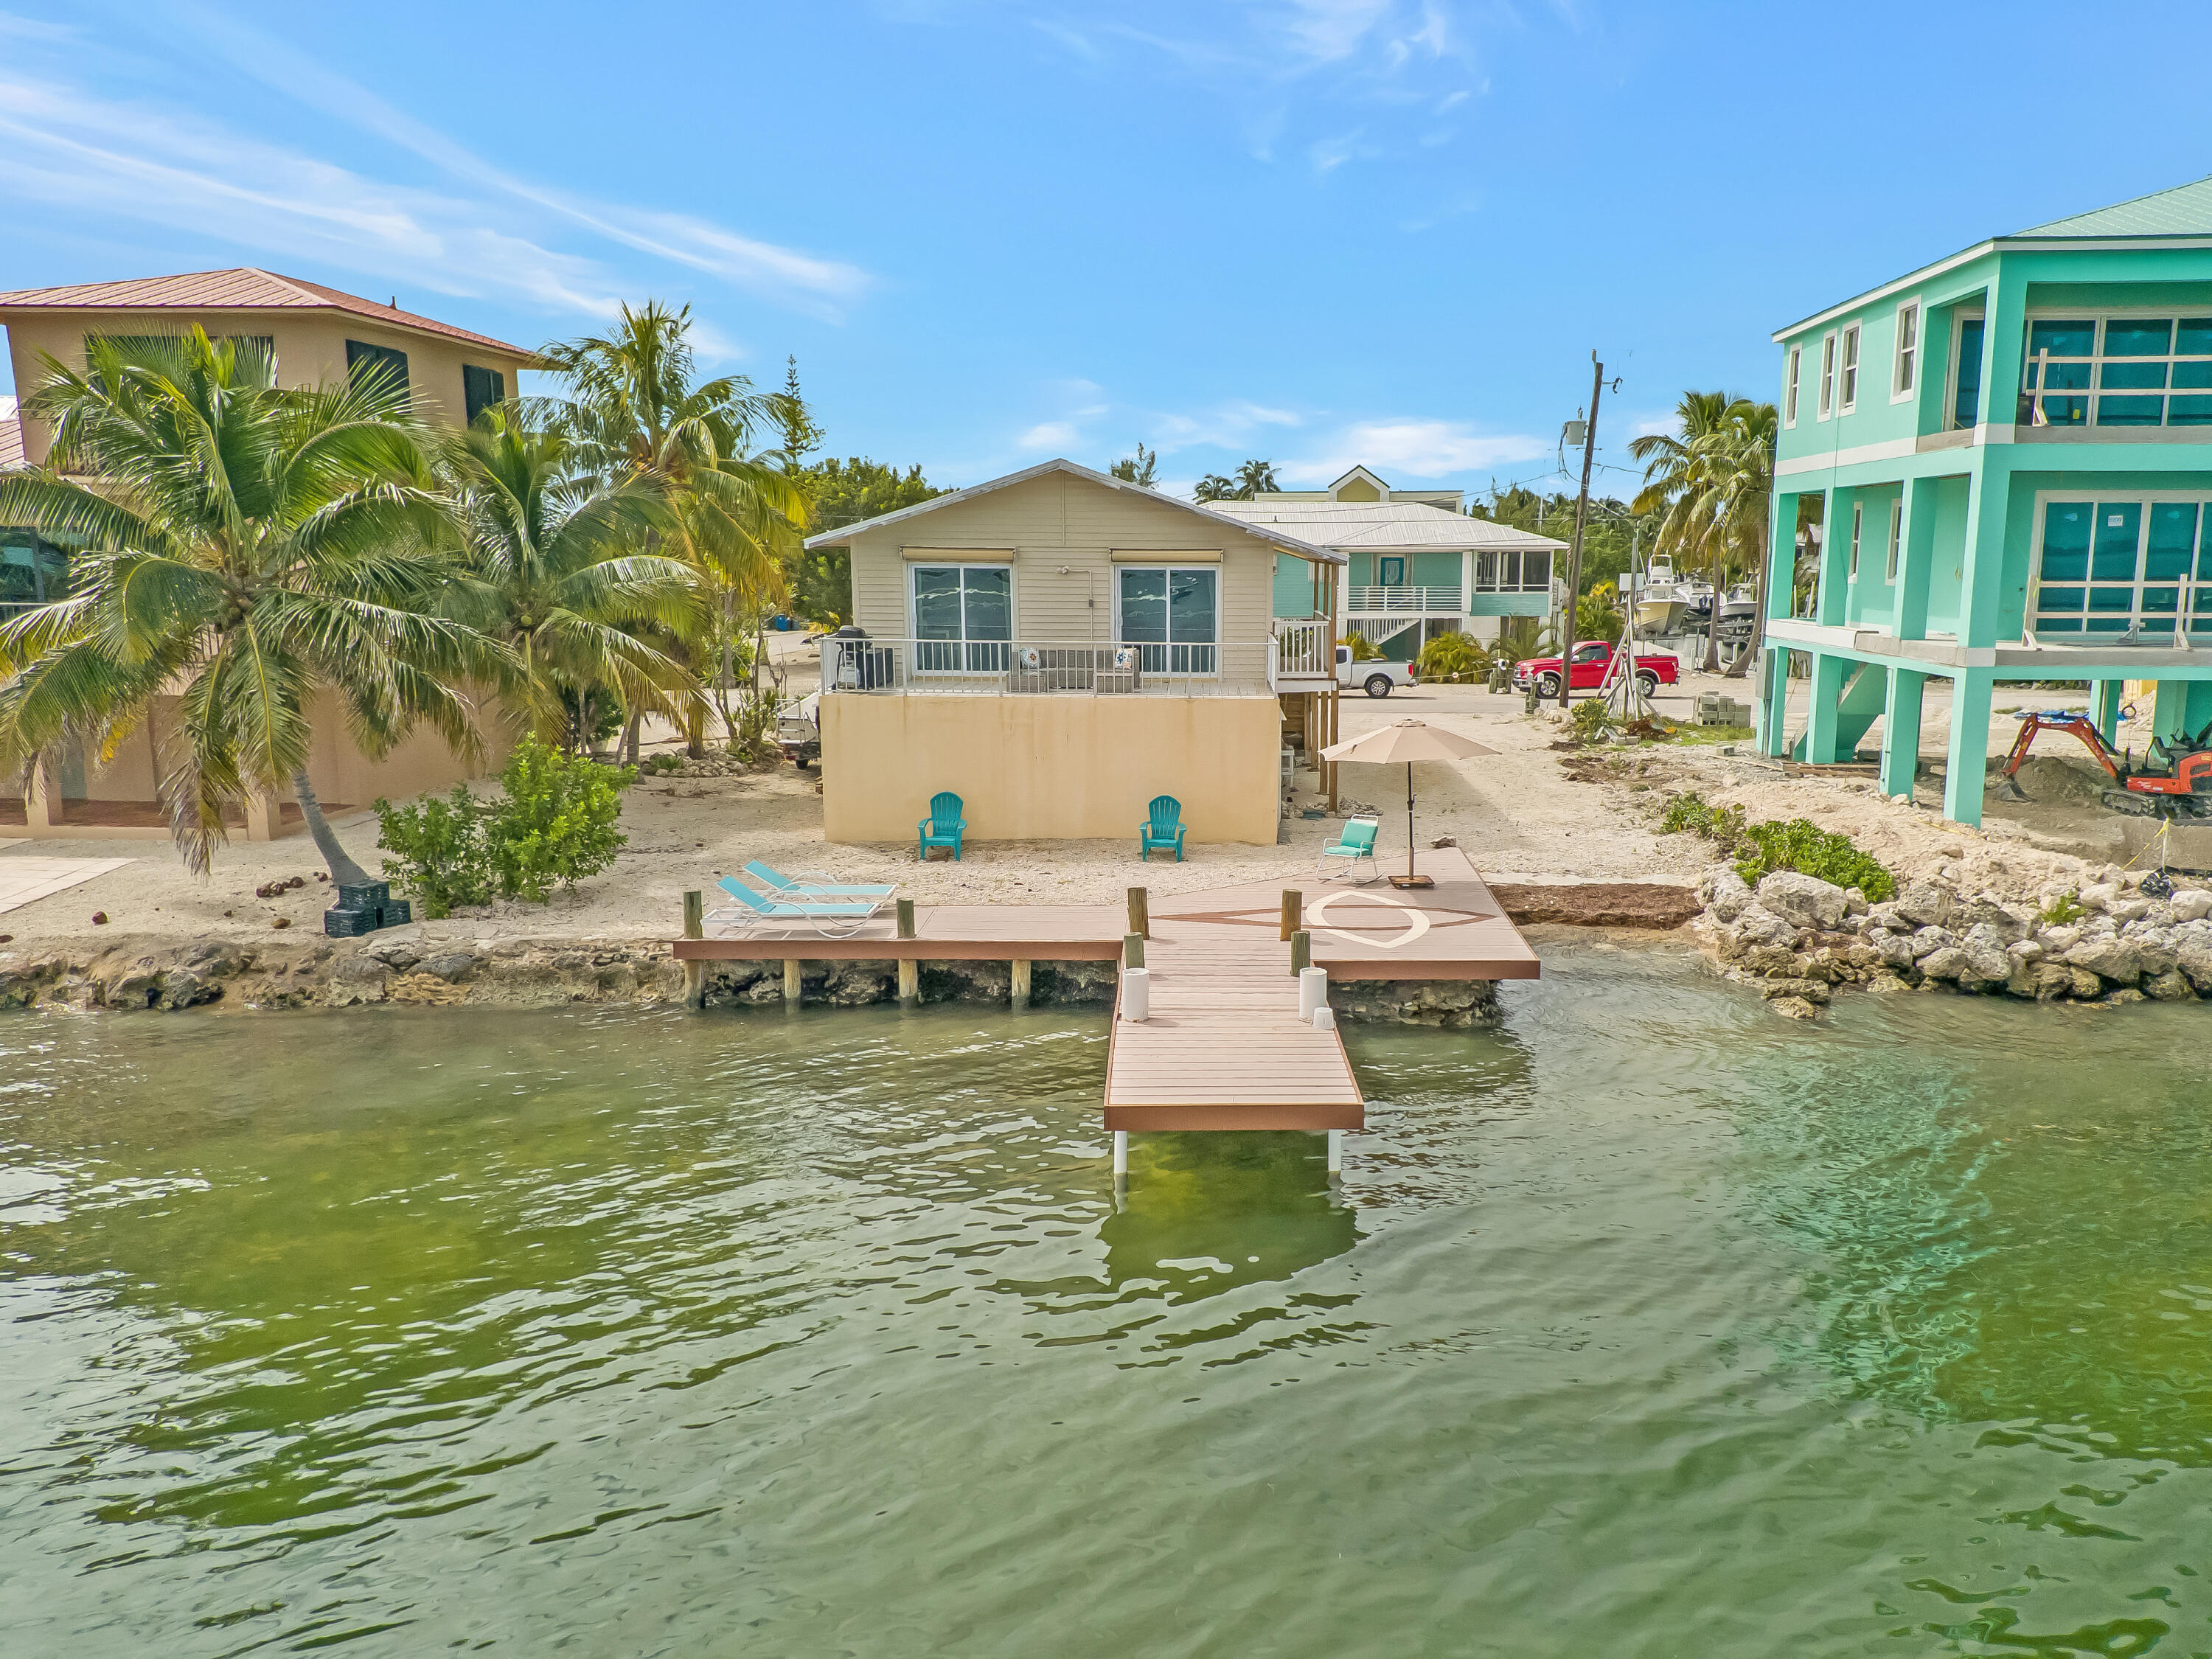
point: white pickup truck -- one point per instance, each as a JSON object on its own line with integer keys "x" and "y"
{"x": 1376, "y": 675}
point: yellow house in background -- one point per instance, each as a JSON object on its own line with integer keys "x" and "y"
{"x": 318, "y": 335}
{"x": 1058, "y": 647}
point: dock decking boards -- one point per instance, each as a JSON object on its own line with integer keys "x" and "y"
{"x": 1224, "y": 1048}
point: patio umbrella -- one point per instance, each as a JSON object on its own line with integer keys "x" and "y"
{"x": 1408, "y": 741}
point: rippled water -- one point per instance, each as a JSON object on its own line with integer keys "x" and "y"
{"x": 1650, "y": 1325}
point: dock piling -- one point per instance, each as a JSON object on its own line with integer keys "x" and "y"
{"x": 906, "y": 918}
{"x": 1021, "y": 986}
{"x": 1301, "y": 951}
{"x": 694, "y": 973}
{"x": 1140, "y": 913}
{"x": 1335, "y": 1151}
{"x": 1121, "y": 1151}
{"x": 909, "y": 981}
{"x": 1132, "y": 950}
{"x": 1294, "y": 910}
{"x": 791, "y": 986}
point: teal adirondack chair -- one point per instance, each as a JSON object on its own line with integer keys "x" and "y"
{"x": 942, "y": 827}
{"x": 1354, "y": 842}
{"x": 1162, "y": 830}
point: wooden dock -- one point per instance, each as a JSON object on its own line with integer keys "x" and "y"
{"x": 1224, "y": 1048}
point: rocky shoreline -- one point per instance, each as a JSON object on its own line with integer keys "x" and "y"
{"x": 403, "y": 966}
{"x": 1797, "y": 939}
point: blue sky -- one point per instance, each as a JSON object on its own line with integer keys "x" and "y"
{"x": 1320, "y": 231}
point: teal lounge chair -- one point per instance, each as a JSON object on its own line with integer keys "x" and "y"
{"x": 1354, "y": 842}
{"x": 942, "y": 827}
{"x": 838, "y": 919}
{"x": 1162, "y": 831}
{"x": 817, "y": 886}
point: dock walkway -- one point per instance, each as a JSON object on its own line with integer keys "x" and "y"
{"x": 1224, "y": 1048}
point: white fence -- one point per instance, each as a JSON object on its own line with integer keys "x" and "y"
{"x": 1384, "y": 600}
{"x": 1037, "y": 667}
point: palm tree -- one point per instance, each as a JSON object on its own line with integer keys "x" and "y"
{"x": 1141, "y": 468}
{"x": 1672, "y": 483}
{"x": 556, "y": 574}
{"x": 1215, "y": 487}
{"x": 242, "y": 550}
{"x": 635, "y": 405}
{"x": 1256, "y": 477}
{"x": 1735, "y": 465}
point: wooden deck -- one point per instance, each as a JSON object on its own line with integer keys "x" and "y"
{"x": 1224, "y": 1048}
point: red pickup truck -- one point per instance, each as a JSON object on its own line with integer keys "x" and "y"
{"x": 1592, "y": 660}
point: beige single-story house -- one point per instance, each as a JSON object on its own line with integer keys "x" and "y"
{"x": 1058, "y": 647}
{"x": 318, "y": 335}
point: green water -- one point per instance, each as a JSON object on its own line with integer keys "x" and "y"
{"x": 1651, "y": 1324}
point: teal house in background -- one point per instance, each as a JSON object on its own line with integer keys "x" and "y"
{"x": 2002, "y": 464}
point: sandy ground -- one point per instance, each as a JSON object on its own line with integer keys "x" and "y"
{"x": 1531, "y": 812}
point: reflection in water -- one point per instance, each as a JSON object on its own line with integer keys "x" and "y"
{"x": 1648, "y": 1324}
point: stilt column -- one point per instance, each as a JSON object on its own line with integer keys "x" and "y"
{"x": 1968, "y": 756}
{"x": 1821, "y": 708}
{"x": 2106, "y": 698}
{"x": 1900, "y": 731}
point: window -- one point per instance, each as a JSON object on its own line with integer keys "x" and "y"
{"x": 1172, "y": 613}
{"x": 385, "y": 364}
{"x": 2118, "y": 371}
{"x": 1790, "y": 386}
{"x": 32, "y": 572}
{"x": 964, "y": 616}
{"x": 1907, "y": 371}
{"x": 1828, "y": 376}
{"x": 481, "y": 389}
{"x": 1390, "y": 572}
{"x": 1966, "y": 395}
{"x": 1851, "y": 389}
{"x": 2130, "y": 567}
{"x": 1896, "y": 535}
{"x": 1513, "y": 573}
{"x": 1858, "y": 519}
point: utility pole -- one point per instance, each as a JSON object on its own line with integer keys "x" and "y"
{"x": 1575, "y": 557}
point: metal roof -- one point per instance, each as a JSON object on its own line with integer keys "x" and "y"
{"x": 242, "y": 289}
{"x": 11, "y": 443}
{"x": 1370, "y": 525}
{"x": 844, "y": 533}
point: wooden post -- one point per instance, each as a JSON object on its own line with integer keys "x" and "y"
{"x": 906, "y": 919}
{"x": 909, "y": 980}
{"x": 694, "y": 973}
{"x": 1140, "y": 913}
{"x": 1301, "y": 951}
{"x": 1021, "y": 989}
{"x": 1132, "y": 950}
{"x": 1294, "y": 910}
{"x": 695, "y": 915}
{"x": 791, "y": 985}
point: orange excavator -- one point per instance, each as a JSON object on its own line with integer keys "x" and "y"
{"x": 2174, "y": 782}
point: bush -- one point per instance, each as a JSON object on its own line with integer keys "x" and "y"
{"x": 1363, "y": 649}
{"x": 1692, "y": 813}
{"x": 1452, "y": 656}
{"x": 557, "y": 821}
{"x": 441, "y": 855}
{"x": 752, "y": 721}
{"x": 1593, "y": 721}
{"x": 554, "y": 823}
{"x": 1804, "y": 847}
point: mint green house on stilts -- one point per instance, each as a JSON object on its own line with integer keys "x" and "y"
{"x": 2003, "y": 465}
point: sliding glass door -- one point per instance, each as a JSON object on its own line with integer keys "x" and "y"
{"x": 1173, "y": 613}
{"x": 963, "y": 617}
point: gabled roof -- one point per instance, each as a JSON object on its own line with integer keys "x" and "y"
{"x": 242, "y": 289}
{"x": 845, "y": 533}
{"x": 2182, "y": 213}
{"x": 1391, "y": 525}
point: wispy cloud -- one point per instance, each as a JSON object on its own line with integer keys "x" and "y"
{"x": 479, "y": 230}
{"x": 1413, "y": 449}
{"x": 1052, "y": 435}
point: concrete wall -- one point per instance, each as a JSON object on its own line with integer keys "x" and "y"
{"x": 1061, "y": 531}
{"x": 1050, "y": 767}
{"x": 310, "y": 352}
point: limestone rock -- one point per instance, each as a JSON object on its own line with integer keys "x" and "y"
{"x": 1926, "y": 903}
{"x": 2056, "y": 939}
{"x": 1948, "y": 963}
{"x": 2171, "y": 986}
{"x": 2098, "y": 896}
{"x": 1855, "y": 902}
{"x": 1986, "y": 913}
{"x": 1725, "y": 892}
{"x": 1757, "y": 925}
{"x": 1891, "y": 948}
{"x": 2191, "y": 904}
{"x": 1806, "y": 901}
{"x": 357, "y": 979}
{"x": 1928, "y": 940}
{"x": 2127, "y": 910}
{"x": 1883, "y": 916}
{"x": 2115, "y": 959}
{"x": 2124, "y": 996}
{"x": 2191, "y": 944}
{"x": 1795, "y": 1007}
{"x": 451, "y": 966}
{"x": 1809, "y": 990}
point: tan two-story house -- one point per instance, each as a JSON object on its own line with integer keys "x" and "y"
{"x": 317, "y": 335}
{"x": 1057, "y": 648}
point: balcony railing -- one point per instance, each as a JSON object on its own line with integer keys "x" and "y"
{"x": 1300, "y": 650}
{"x": 1045, "y": 667}
{"x": 1384, "y": 599}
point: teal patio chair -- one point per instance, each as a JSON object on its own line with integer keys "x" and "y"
{"x": 1355, "y": 842}
{"x": 1162, "y": 830}
{"x": 942, "y": 827}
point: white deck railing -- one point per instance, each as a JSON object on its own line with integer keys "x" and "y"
{"x": 1041, "y": 667}
{"x": 1385, "y": 599}
{"x": 1301, "y": 650}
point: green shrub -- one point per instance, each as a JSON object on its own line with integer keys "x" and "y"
{"x": 440, "y": 853}
{"x": 1452, "y": 655}
{"x": 1363, "y": 649}
{"x": 1692, "y": 813}
{"x": 2066, "y": 908}
{"x": 752, "y": 721}
{"x": 1804, "y": 847}
{"x": 557, "y": 823}
{"x": 1593, "y": 720}
{"x": 660, "y": 765}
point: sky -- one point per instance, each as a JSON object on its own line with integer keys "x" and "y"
{"x": 1318, "y": 232}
